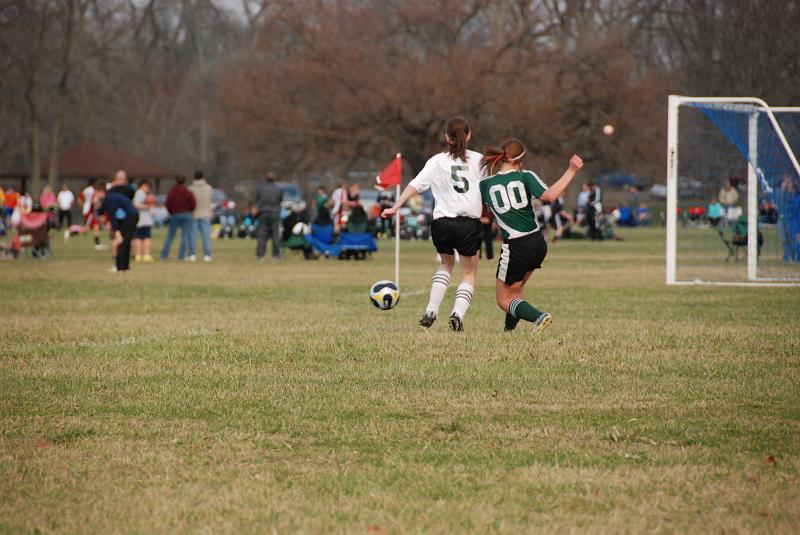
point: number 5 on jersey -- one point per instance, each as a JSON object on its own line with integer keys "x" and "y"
{"x": 458, "y": 173}
{"x": 512, "y": 195}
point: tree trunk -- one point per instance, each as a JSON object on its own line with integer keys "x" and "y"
{"x": 63, "y": 92}
{"x": 36, "y": 154}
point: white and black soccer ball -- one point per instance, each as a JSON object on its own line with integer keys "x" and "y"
{"x": 384, "y": 295}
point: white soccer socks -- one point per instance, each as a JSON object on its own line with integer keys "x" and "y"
{"x": 463, "y": 299}
{"x": 439, "y": 284}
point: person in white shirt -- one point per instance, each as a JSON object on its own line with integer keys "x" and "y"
{"x": 91, "y": 219}
{"x": 339, "y": 207}
{"x": 453, "y": 178}
{"x": 65, "y": 200}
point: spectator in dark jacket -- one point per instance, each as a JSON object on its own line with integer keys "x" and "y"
{"x": 123, "y": 217}
{"x": 180, "y": 205}
{"x": 268, "y": 204}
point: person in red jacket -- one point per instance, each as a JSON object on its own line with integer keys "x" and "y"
{"x": 180, "y": 205}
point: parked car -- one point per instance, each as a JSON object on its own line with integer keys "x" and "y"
{"x": 658, "y": 191}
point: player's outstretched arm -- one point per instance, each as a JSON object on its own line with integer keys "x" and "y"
{"x": 556, "y": 190}
{"x": 407, "y": 194}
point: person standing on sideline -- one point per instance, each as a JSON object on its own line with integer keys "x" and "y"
{"x": 268, "y": 204}
{"x": 143, "y": 239}
{"x": 729, "y": 198}
{"x": 453, "y": 177}
{"x": 122, "y": 185}
{"x": 122, "y": 215}
{"x": 47, "y": 199}
{"x": 65, "y": 201}
{"x": 594, "y": 207}
{"x": 180, "y": 204}
{"x": 202, "y": 216}
{"x": 339, "y": 200}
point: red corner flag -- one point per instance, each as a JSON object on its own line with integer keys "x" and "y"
{"x": 392, "y": 175}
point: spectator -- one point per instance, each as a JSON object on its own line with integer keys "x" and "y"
{"x": 268, "y": 204}
{"x": 385, "y": 200}
{"x": 644, "y": 214}
{"x": 787, "y": 219}
{"x": 65, "y": 201}
{"x": 122, "y": 215}
{"x": 594, "y": 210}
{"x": 25, "y": 204}
{"x": 487, "y": 233}
{"x": 143, "y": 239}
{"x": 180, "y": 205}
{"x": 320, "y": 200}
{"x": 583, "y": 199}
{"x": 633, "y": 197}
{"x": 47, "y": 199}
{"x": 121, "y": 185}
{"x": 729, "y": 198}
{"x": 715, "y": 212}
{"x": 11, "y": 201}
{"x": 339, "y": 201}
{"x": 202, "y": 216}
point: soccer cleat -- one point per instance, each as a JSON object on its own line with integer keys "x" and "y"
{"x": 456, "y": 323}
{"x": 542, "y": 322}
{"x": 100, "y": 247}
{"x": 427, "y": 319}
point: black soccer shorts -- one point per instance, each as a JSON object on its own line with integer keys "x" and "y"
{"x": 462, "y": 234}
{"x": 519, "y": 256}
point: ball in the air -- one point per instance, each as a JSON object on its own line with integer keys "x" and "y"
{"x": 384, "y": 295}
{"x": 608, "y": 130}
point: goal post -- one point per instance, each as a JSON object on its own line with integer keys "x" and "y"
{"x": 733, "y": 192}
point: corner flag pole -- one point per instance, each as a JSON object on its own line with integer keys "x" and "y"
{"x": 397, "y": 235}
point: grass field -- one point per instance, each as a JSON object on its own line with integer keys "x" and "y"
{"x": 272, "y": 397}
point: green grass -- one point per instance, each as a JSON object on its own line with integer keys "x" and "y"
{"x": 272, "y": 397}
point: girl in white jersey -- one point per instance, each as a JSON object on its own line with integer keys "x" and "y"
{"x": 453, "y": 178}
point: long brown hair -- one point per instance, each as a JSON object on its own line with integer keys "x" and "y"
{"x": 457, "y": 131}
{"x": 512, "y": 149}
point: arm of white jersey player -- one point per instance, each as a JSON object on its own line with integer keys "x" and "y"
{"x": 556, "y": 190}
{"x": 422, "y": 182}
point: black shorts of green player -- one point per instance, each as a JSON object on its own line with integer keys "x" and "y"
{"x": 521, "y": 256}
{"x": 508, "y": 194}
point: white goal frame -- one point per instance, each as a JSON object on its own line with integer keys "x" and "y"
{"x": 674, "y": 103}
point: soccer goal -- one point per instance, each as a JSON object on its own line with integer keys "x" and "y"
{"x": 733, "y": 192}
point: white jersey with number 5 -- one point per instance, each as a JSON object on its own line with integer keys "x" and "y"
{"x": 454, "y": 184}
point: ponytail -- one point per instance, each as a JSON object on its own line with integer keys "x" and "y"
{"x": 457, "y": 131}
{"x": 512, "y": 150}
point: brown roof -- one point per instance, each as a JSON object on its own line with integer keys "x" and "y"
{"x": 91, "y": 159}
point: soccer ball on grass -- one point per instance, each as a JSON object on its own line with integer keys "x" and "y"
{"x": 384, "y": 295}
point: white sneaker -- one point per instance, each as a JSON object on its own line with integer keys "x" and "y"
{"x": 191, "y": 258}
{"x": 66, "y": 235}
{"x": 113, "y": 269}
{"x": 100, "y": 247}
{"x": 207, "y": 258}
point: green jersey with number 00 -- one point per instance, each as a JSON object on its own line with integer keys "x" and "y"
{"x": 508, "y": 195}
